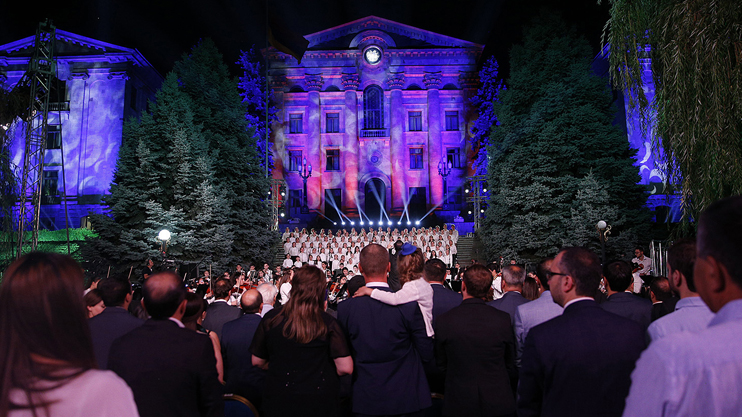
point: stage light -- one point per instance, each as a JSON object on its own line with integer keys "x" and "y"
{"x": 409, "y": 222}
{"x": 469, "y": 211}
{"x": 352, "y": 223}
{"x": 399, "y": 222}
{"x": 484, "y": 190}
{"x": 283, "y": 214}
{"x": 283, "y": 194}
{"x": 361, "y": 223}
{"x": 343, "y": 223}
{"x": 481, "y": 211}
{"x": 389, "y": 223}
{"x": 335, "y": 223}
{"x": 417, "y": 222}
{"x": 370, "y": 223}
{"x": 466, "y": 191}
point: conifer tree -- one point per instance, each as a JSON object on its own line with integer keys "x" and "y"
{"x": 557, "y": 163}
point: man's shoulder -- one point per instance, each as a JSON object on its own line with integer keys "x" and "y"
{"x": 114, "y": 315}
{"x": 246, "y": 321}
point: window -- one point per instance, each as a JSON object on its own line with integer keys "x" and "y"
{"x": 49, "y": 188}
{"x": 333, "y": 160}
{"x": 373, "y": 108}
{"x": 295, "y": 123}
{"x": 54, "y": 137}
{"x": 333, "y": 201}
{"x": 294, "y": 160}
{"x": 416, "y": 158}
{"x": 333, "y": 123}
{"x": 294, "y": 201}
{"x": 452, "y": 120}
{"x": 453, "y": 157}
{"x": 416, "y": 121}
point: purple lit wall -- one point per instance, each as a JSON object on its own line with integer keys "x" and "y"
{"x": 105, "y": 84}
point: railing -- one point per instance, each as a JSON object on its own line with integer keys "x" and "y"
{"x": 374, "y": 133}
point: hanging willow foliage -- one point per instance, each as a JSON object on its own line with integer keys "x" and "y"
{"x": 694, "y": 48}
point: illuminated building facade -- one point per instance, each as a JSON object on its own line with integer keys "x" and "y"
{"x": 376, "y": 108}
{"x": 98, "y": 87}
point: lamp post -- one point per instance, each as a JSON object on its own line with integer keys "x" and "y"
{"x": 604, "y": 229}
{"x": 164, "y": 237}
{"x": 306, "y": 172}
{"x": 443, "y": 170}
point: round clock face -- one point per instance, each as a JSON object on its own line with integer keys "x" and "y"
{"x": 373, "y": 55}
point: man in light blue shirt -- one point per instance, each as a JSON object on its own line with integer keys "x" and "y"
{"x": 699, "y": 374}
{"x": 540, "y": 310}
{"x": 691, "y": 314}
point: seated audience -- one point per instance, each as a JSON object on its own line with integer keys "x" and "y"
{"x": 48, "y": 364}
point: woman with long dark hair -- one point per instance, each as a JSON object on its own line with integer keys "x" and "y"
{"x": 306, "y": 350}
{"x": 47, "y": 366}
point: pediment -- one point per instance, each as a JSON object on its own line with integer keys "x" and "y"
{"x": 68, "y": 44}
{"x": 403, "y": 36}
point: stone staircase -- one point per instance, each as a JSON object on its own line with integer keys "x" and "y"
{"x": 465, "y": 249}
{"x": 279, "y": 256}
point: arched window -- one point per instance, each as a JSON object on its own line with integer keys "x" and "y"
{"x": 373, "y": 107}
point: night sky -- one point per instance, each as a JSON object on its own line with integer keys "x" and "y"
{"x": 162, "y": 30}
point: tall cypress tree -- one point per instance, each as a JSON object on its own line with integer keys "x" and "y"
{"x": 557, "y": 163}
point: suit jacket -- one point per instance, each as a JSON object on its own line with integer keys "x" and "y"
{"x": 630, "y": 306}
{"x": 508, "y": 303}
{"x": 443, "y": 300}
{"x": 663, "y": 308}
{"x": 474, "y": 344}
{"x": 530, "y": 315}
{"x": 219, "y": 313}
{"x": 389, "y": 345}
{"x": 109, "y": 325}
{"x": 579, "y": 363}
{"x": 240, "y": 376}
{"x": 171, "y": 370}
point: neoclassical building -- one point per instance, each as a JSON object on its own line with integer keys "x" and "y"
{"x": 98, "y": 86}
{"x": 376, "y": 108}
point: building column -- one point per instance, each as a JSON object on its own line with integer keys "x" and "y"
{"x": 397, "y": 145}
{"x": 432, "y": 83}
{"x": 349, "y": 154}
{"x": 313, "y": 146}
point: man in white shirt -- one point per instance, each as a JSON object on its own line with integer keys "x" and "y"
{"x": 644, "y": 267}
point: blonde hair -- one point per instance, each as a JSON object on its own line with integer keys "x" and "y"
{"x": 410, "y": 267}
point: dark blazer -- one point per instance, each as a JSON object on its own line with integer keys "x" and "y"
{"x": 630, "y": 306}
{"x": 509, "y": 303}
{"x": 240, "y": 376}
{"x": 664, "y": 308}
{"x": 109, "y": 325}
{"x": 389, "y": 345}
{"x": 219, "y": 313}
{"x": 393, "y": 279}
{"x": 579, "y": 363}
{"x": 475, "y": 345}
{"x": 443, "y": 299}
{"x": 170, "y": 370}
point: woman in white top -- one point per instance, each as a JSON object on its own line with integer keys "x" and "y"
{"x": 49, "y": 370}
{"x": 410, "y": 268}
{"x": 285, "y": 286}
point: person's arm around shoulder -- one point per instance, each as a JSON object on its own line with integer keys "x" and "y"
{"x": 408, "y": 293}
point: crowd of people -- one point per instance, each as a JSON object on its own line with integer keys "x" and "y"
{"x": 572, "y": 339}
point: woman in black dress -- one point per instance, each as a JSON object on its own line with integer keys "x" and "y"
{"x": 306, "y": 350}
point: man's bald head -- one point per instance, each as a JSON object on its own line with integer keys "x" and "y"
{"x": 251, "y": 301}
{"x": 163, "y": 293}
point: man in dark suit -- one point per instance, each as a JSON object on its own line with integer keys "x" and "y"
{"x": 115, "y": 321}
{"x": 475, "y": 345}
{"x": 219, "y": 311}
{"x": 171, "y": 370}
{"x": 618, "y": 278}
{"x": 443, "y": 299}
{"x": 389, "y": 345}
{"x": 663, "y": 300}
{"x": 240, "y": 376}
{"x": 579, "y": 363}
{"x": 512, "y": 286}
{"x": 393, "y": 279}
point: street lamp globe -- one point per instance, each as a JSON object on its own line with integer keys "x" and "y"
{"x": 164, "y": 235}
{"x": 602, "y": 225}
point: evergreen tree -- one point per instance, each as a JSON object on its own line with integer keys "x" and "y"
{"x": 557, "y": 164}
{"x": 190, "y": 166}
{"x": 253, "y": 92}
